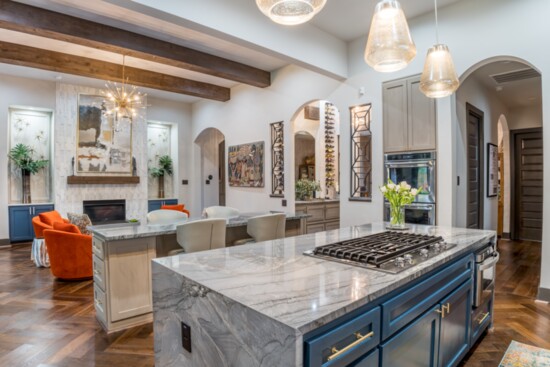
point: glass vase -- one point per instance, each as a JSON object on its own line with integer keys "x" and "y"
{"x": 397, "y": 217}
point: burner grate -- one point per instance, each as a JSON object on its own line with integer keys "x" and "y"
{"x": 378, "y": 248}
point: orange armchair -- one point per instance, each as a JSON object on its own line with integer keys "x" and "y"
{"x": 177, "y": 207}
{"x": 39, "y": 226}
{"x": 70, "y": 254}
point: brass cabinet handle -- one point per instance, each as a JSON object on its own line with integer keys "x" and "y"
{"x": 484, "y": 318}
{"x": 360, "y": 338}
{"x": 442, "y": 312}
{"x": 447, "y": 308}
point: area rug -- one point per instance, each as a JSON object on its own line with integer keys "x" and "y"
{"x": 523, "y": 355}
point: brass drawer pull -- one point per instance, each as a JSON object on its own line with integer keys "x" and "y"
{"x": 484, "y": 318}
{"x": 447, "y": 308}
{"x": 360, "y": 339}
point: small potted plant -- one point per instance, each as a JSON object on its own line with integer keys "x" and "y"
{"x": 164, "y": 167}
{"x": 305, "y": 189}
{"x": 22, "y": 156}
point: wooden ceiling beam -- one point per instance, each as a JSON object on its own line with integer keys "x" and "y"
{"x": 41, "y": 22}
{"x": 11, "y": 53}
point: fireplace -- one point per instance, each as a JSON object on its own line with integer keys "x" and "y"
{"x": 105, "y": 211}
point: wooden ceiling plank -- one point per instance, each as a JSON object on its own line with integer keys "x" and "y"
{"x": 41, "y": 22}
{"x": 11, "y": 53}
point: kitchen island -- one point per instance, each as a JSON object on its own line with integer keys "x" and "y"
{"x": 122, "y": 255}
{"x": 269, "y": 305}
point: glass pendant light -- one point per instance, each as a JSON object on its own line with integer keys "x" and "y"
{"x": 290, "y": 12}
{"x": 390, "y": 46}
{"x": 439, "y": 76}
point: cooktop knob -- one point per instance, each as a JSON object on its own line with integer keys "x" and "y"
{"x": 424, "y": 252}
{"x": 408, "y": 258}
{"x": 400, "y": 262}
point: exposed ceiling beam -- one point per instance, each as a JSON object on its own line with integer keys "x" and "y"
{"x": 46, "y": 23}
{"x": 11, "y": 53}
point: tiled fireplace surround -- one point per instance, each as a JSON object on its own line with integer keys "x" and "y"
{"x": 69, "y": 198}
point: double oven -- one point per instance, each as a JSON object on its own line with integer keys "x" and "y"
{"x": 419, "y": 170}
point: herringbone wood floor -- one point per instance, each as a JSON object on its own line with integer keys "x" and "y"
{"x": 44, "y": 322}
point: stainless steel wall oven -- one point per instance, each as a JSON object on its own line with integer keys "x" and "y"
{"x": 419, "y": 170}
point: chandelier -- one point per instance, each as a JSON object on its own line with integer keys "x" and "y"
{"x": 123, "y": 101}
{"x": 290, "y": 12}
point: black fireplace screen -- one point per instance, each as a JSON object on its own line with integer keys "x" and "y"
{"x": 105, "y": 211}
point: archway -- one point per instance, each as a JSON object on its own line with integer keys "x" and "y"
{"x": 210, "y": 148}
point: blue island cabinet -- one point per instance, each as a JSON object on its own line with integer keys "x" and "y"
{"x": 20, "y": 219}
{"x": 426, "y": 323}
{"x": 157, "y": 203}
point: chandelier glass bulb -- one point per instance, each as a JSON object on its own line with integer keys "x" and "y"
{"x": 438, "y": 77}
{"x": 389, "y": 46}
{"x": 290, "y": 12}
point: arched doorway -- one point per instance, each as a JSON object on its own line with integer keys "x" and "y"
{"x": 507, "y": 92}
{"x": 210, "y": 148}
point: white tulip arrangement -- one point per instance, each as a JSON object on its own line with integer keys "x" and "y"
{"x": 398, "y": 195}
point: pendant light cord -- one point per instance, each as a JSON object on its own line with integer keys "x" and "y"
{"x": 436, "y": 24}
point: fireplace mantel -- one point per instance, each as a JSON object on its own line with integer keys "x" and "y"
{"x": 102, "y": 180}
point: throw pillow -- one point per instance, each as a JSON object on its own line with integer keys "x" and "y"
{"x": 49, "y": 218}
{"x": 81, "y": 221}
{"x": 66, "y": 227}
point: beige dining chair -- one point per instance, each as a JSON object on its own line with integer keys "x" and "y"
{"x": 265, "y": 228}
{"x": 200, "y": 235}
{"x": 166, "y": 217}
{"x": 221, "y": 212}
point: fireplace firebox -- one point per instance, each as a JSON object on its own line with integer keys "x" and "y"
{"x": 105, "y": 211}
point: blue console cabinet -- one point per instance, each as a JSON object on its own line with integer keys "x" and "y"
{"x": 20, "y": 218}
{"x": 157, "y": 203}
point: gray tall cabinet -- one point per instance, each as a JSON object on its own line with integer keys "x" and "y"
{"x": 409, "y": 117}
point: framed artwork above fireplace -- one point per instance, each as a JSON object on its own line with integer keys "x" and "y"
{"x": 104, "y": 146}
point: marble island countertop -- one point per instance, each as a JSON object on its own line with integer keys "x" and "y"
{"x": 276, "y": 280}
{"x": 124, "y": 231}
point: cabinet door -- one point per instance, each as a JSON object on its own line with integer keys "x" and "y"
{"x": 454, "y": 337}
{"x": 171, "y": 202}
{"x": 421, "y": 118}
{"x": 129, "y": 277}
{"x": 416, "y": 345}
{"x": 20, "y": 223}
{"x": 42, "y": 209}
{"x": 154, "y": 205}
{"x": 395, "y": 116}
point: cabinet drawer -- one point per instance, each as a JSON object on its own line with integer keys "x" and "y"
{"x": 300, "y": 209}
{"x": 332, "y": 225}
{"x": 97, "y": 248}
{"x": 332, "y": 211}
{"x": 401, "y": 310}
{"x": 369, "y": 361}
{"x": 365, "y": 327}
{"x": 481, "y": 318}
{"x": 317, "y": 213}
{"x": 314, "y": 228}
{"x": 100, "y": 303}
{"x": 99, "y": 272}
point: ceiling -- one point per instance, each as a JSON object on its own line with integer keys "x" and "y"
{"x": 515, "y": 94}
{"x": 350, "y": 19}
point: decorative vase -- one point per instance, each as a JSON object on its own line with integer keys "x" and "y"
{"x": 161, "y": 187}
{"x": 26, "y": 182}
{"x": 397, "y": 217}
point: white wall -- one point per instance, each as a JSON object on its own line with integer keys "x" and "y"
{"x": 473, "y": 92}
{"x": 15, "y": 91}
{"x": 525, "y": 117}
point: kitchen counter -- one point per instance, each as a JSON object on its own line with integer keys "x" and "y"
{"x": 273, "y": 287}
{"x": 115, "y": 232}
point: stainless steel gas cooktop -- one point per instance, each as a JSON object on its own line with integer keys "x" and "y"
{"x": 389, "y": 251}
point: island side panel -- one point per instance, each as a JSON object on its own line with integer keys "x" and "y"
{"x": 224, "y": 333}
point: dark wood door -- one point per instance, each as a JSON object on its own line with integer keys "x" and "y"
{"x": 528, "y": 190}
{"x": 474, "y": 154}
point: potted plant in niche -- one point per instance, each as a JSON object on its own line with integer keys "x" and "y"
{"x": 305, "y": 188}
{"x": 164, "y": 167}
{"x": 22, "y": 156}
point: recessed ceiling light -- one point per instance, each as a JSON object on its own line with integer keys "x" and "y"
{"x": 58, "y": 77}
{"x": 499, "y": 88}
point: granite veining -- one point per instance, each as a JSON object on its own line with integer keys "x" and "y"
{"x": 128, "y": 231}
{"x": 251, "y": 305}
